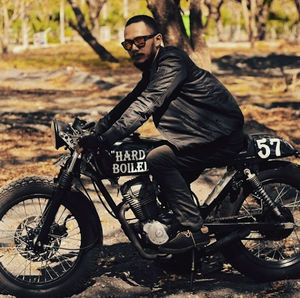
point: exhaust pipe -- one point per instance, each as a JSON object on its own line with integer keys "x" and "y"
{"x": 210, "y": 249}
{"x": 236, "y": 235}
{"x": 131, "y": 235}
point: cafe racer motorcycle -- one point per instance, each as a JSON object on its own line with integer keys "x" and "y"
{"x": 51, "y": 234}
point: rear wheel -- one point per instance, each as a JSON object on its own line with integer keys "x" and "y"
{"x": 270, "y": 255}
{"x": 59, "y": 268}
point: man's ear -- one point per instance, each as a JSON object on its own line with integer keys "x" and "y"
{"x": 158, "y": 40}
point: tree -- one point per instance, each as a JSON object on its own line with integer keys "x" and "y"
{"x": 95, "y": 7}
{"x": 62, "y": 22}
{"x": 10, "y": 12}
{"x": 297, "y": 23}
{"x": 264, "y": 7}
{"x": 214, "y": 8}
{"x": 256, "y": 20}
{"x": 83, "y": 30}
{"x": 167, "y": 13}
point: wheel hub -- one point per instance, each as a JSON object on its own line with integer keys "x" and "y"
{"x": 280, "y": 232}
{"x": 26, "y": 235}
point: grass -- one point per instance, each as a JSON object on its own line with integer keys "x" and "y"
{"x": 79, "y": 55}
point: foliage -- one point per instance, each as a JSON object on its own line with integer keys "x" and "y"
{"x": 44, "y": 14}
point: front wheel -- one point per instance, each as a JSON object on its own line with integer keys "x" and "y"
{"x": 64, "y": 264}
{"x": 275, "y": 255}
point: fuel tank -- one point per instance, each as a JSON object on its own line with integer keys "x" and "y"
{"x": 128, "y": 157}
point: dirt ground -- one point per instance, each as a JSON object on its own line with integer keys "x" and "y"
{"x": 30, "y": 100}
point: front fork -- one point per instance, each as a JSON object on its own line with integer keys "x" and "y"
{"x": 64, "y": 184}
{"x": 258, "y": 189}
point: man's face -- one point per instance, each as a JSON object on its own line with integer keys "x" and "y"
{"x": 142, "y": 57}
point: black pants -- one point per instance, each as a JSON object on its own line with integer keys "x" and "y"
{"x": 174, "y": 173}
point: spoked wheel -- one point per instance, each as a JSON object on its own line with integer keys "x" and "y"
{"x": 68, "y": 257}
{"x": 270, "y": 255}
{"x": 20, "y": 225}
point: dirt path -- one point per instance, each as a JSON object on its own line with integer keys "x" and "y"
{"x": 26, "y": 149}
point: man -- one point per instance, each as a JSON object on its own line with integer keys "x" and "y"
{"x": 193, "y": 111}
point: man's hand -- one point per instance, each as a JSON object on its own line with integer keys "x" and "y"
{"x": 90, "y": 143}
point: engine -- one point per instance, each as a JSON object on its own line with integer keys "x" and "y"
{"x": 140, "y": 194}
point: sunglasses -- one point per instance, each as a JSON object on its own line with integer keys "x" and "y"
{"x": 138, "y": 41}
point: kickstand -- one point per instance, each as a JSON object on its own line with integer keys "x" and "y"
{"x": 192, "y": 270}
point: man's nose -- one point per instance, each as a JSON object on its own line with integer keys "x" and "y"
{"x": 134, "y": 48}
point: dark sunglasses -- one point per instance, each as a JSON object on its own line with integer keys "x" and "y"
{"x": 139, "y": 42}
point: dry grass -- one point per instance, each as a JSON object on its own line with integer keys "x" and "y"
{"x": 79, "y": 55}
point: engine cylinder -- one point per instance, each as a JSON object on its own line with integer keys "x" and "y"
{"x": 140, "y": 194}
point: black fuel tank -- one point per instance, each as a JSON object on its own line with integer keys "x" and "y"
{"x": 128, "y": 158}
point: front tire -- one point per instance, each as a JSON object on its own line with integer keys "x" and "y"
{"x": 272, "y": 256}
{"x": 64, "y": 265}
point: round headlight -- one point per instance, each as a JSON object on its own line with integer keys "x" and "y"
{"x": 55, "y": 129}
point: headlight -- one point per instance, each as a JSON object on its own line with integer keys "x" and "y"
{"x": 56, "y": 127}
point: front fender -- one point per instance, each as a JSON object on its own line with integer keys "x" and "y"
{"x": 87, "y": 207}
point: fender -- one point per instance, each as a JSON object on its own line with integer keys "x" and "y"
{"x": 217, "y": 196}
{"x": 271, "y": 165}
{"x": 77, "y": 198}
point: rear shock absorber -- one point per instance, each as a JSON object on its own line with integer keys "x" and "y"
{"x": 261, "y": 193}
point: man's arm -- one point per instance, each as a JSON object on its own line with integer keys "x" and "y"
{"x": 171, "y": 72}
{"x": 109, "y": 119}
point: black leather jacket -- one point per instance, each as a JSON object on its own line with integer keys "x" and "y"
{"x": 190, "y": 107}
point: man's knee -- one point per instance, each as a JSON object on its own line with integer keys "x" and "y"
{"x": 161, "y": 156}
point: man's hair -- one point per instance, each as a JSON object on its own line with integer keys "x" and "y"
{"x": 149, "y": 21}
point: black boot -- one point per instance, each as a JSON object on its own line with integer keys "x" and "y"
{"x": 186, "y": 240}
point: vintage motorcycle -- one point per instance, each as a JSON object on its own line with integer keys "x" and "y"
{"x": 51, "y": 234}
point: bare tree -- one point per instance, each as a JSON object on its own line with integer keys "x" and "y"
{"x": 214, "y": 8}
{"x": 95, "y": 7}
{"x": 297, "y": 23}
{"x": 167, "y": 13}
{"x": 263, "y": 10}
{"x": 62, "y": 22}
{"x": 83, "y": 30}
{"x": 10, "y": 11}
{"x": 256, "y": 14}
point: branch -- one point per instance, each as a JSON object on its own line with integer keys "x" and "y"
{"x": 86, "y": 34}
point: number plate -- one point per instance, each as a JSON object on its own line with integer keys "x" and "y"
{"x": 272, "y": 147}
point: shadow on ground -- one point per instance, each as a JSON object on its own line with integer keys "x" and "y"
{"x": 122, "y": 273}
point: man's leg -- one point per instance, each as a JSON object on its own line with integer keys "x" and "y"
{"x": 166, "y": 168}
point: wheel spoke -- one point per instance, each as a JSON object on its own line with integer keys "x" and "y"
{"x": 18, "y": 229}
{"x": 284, "y": 247}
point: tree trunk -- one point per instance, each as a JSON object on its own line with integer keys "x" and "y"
{"x": 200, "y": 52}
{"x": 246, "y": 16}
{"x": 252, "y": 22}
{"x": 6, "y": 24}
{"x": 62, "y": 22}
{"x": 95, "y": 7}
{"x": 167, "y": 15}
{"x": 10, "y": 14}
{"x": 214, "y": 8}
{"x": 297, "y": 23}
{"x": 262, "y": 17}
{"x": 24, "y": 19}
{"x": 86, "y": 34}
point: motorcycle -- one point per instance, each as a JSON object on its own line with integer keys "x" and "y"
{"x": 51, "y": 234}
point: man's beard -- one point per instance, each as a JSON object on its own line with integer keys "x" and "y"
{"x": 146, "y": 64}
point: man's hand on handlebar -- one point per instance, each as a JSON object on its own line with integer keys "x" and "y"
{"x": 88, "y": 143}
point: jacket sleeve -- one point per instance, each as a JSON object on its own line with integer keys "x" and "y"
{"x": 171, "y": 71}
{"x": 109, "y": 119}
